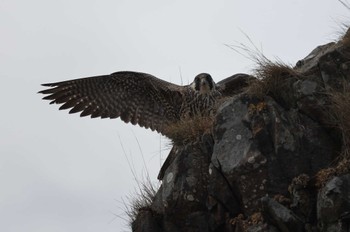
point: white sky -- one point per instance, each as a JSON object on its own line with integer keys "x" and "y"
{"x": 59, "y": 172}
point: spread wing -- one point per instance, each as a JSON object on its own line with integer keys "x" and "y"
{"x": 135, "y": 97}
{"x": 234, "y": 84}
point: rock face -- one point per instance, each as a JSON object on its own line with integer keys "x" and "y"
{"x": 256, "y": 170}
{"x": 333, "y": 204}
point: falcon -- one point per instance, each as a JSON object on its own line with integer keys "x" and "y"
{"x": 140, "y": 98}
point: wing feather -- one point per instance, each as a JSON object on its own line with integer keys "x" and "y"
{"x": 135, "y": 97}
{"x": 234, "y": 84}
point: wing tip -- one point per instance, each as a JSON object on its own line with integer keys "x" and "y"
{"x": 48, "y": 84}
{"x": 42, "y": 91}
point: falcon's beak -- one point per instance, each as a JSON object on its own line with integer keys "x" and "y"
{"x": 204, "y": 88}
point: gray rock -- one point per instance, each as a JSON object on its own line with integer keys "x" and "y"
{"x": 311, "y": 61}
{"x": 325, "y": 68}
{"x": 182, "y": 196}
{"x": 333, "y": 204}
{"x": 145, "y": 222}
{"x": 259, "y": 140}
{"x": 236, "y": 156}
{"x": 283, "y": 218}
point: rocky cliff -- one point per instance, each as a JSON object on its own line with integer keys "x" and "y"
{"x": 276, "y": 159}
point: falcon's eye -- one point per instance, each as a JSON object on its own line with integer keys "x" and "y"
{"x": 197, "y": 82}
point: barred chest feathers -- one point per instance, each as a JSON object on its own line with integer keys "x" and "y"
{"x": 201, "y": 98}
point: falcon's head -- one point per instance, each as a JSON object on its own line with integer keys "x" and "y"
{"x": 203, "y": 83}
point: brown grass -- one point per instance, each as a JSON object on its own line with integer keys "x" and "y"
{"x": 272, "y": 78}
{"x": 345, "y": 38}
{"x": 144, "y": 193}
{"x": 340, "y": 117}
{"x": 141, "y": 200}
{"x": 189, "y": 130}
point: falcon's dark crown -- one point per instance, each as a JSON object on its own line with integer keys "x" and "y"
{"x": 203, "y": 83}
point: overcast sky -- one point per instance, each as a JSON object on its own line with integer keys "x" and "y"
{"x": 59, "y": 172}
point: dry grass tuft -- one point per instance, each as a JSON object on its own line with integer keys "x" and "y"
{"x": 272, "y": 78}
{"x": 190, "y": 130}
{"x": 142, "y": 200}
{"x": 345, "y": 38}
{"x": 144, "y": 194}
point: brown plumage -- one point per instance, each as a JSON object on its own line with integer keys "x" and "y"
{"x": 141, "y": 98}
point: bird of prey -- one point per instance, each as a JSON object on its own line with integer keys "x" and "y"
{"x": 143, "y": 99}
